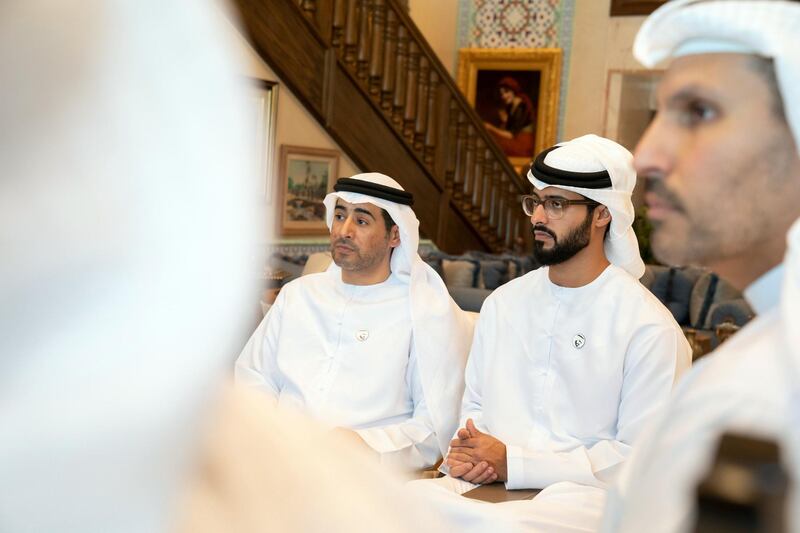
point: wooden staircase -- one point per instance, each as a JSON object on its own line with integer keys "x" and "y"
{"x": 363, "y": 69}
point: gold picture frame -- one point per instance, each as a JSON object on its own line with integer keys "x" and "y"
{"x": 486, "y": 76}
{"x": 306, "y": 176}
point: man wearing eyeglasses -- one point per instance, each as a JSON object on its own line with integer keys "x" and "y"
{"x": 569, "y": 361}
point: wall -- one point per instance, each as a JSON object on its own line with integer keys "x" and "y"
{"x": 438, "y": 22}
{"x": 600, "y": 43}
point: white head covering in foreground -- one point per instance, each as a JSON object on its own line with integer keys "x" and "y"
{"x": 442, "y": 332}
{"x": 605, "y": 172}
{"x": 126, "y": 237}
{"x": 768, "y": 28}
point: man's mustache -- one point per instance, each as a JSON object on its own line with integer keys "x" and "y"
{"x": 655, "y": 185}
{"x": 345, "y": 243}
{"x": 543, "y": 229}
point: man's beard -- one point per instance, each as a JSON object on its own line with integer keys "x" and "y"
{"x": 572, "y": 243}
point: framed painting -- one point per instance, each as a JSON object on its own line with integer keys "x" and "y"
{"x": 515, "y": 92}
{"x": 306, "y": 176}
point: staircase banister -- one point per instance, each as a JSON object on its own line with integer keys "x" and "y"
{"x": 447, "y": 79}
{"x": 393, "y": 104}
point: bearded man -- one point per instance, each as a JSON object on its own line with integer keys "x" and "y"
{"x": 374, "y": 344}
{"x": 569, "y": 361}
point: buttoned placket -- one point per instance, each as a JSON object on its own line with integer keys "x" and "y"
{"x": 330, "y": 366}
{"x": 542, "y": 362}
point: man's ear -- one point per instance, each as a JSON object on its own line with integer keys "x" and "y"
{"x": 602, "y": 217}
{"x": 394, "y": 237}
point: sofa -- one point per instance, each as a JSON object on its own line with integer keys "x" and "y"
{"x": 702, "y": 303}
{"x": 699, "y": 299}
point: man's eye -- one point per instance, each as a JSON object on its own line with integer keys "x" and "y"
{"x": 362, "y": 222}
{"x": 697, "y": 112}
{"x": 338, "y": 216}
{"x": 556, "y": 204}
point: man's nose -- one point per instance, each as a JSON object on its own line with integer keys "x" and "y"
{"x": 539, "y": 215}
{"x": 347, "y": 227}
{"x": 652, "y": 154}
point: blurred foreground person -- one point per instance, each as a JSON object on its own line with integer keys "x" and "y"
{"x": 125, "y": 235}
{"x": 723, "y": 187}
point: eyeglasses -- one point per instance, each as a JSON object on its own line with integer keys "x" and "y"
{"x": 553, "y": 207}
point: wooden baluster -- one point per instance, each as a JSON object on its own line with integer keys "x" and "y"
{"x": 469, "y": 175}
{"x": 323, "y": 18}
{"x": 339, "y": 21}
{"x": 376, "y": 57}
{"x": 401, "y": 73}
{"x": 512, "y": 216}
{"x": 389, "y": 60}
{"x": 519, "y": 239}
{"x": 493, "y": 185}
{"x": 410, "y": 108}
{"x": 451, "y": 145}
{"x": 461, "y": 156}
{"x": 433, "y": 112}
{"x": 502, "y": 208}
{"x": 365, "y": 15}
{"x": 421, "y": 122}
{"x": 490, "y": 167}
{"x": 351, "y": 34}
{"x": 477, "y": 190}
{"x": 309, "y": 8}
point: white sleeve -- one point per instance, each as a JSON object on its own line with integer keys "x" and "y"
{"x": 257, "y": 366}
{"x": 411, "y": 444}
{"x": 472, "y": 403}
{"x": 654, "y": 361}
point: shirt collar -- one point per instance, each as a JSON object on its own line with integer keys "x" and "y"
{"x": 763, "y": 294}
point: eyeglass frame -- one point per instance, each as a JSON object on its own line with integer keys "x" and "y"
{"x": 542, "y": 202}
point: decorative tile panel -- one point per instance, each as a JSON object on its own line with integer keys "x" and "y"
{"x": 519, "y": 24}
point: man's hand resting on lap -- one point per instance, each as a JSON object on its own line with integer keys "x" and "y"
{"x": 477, "y": 457}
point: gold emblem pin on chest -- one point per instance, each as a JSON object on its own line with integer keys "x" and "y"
{"x": 362, "y": 335}
{"x": 578, "y": 341}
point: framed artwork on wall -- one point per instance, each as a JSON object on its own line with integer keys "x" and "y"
{"x": 306, "y": 176}
{"x": 515, "y": 92}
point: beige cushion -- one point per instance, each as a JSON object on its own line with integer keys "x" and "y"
{"x": 458, "y": 273}
{"x": 317, "y": 262}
